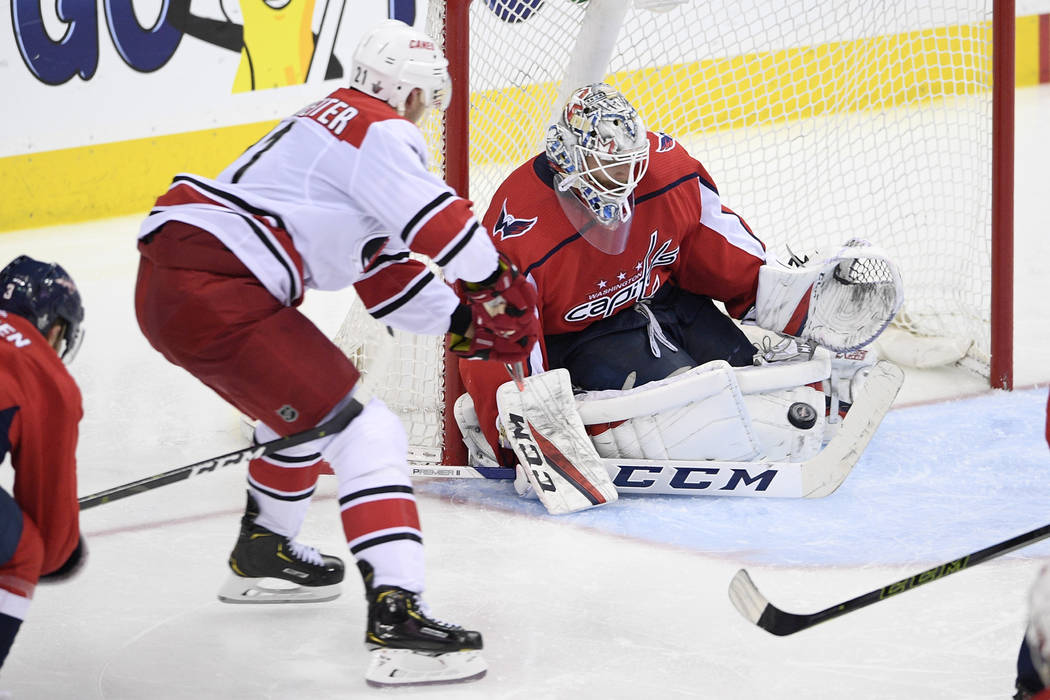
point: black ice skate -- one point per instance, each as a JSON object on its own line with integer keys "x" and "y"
{"x": 295, "y": 573}
{"x": 412, "y": 648}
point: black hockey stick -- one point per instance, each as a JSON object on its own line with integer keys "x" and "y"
{"x": 754, "y": 606}
{"x": 332, "y": 425}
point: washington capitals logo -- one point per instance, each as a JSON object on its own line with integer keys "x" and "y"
{"x": 665, "y": 143}
{"x": 509, "y": 227}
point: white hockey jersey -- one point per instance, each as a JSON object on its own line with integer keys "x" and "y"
{"x": 339, "y": 194}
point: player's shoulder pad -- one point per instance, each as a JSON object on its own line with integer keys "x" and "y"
{"x": 667, "y": 154}
{"x": 659, "y": 142}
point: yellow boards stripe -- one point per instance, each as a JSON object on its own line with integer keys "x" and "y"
{"x": 121, "y": 178}
{"x": 111, "y": 179}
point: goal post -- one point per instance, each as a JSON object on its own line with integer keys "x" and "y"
{"x": 1001, "y": 294}
{"x": 819, "y": 121}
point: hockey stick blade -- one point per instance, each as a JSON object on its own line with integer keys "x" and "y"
{"x": 825, "y": 472}
{"x": 242, "y": 456}
{"x": 754, "y": 606}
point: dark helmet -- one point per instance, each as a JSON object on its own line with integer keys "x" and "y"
{"x": 44, "y": 293}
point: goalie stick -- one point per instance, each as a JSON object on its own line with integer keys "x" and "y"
{"x": 243, "y": 456}
{"x": 814, "y": 478}
{"x": 750, "y": 602}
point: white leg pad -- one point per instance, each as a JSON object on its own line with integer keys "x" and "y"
{"x": 781, "y": 440}
{"x": 552, "y": 445}
{"x": 700, "y": 414}
{"x": 713, "y": 412}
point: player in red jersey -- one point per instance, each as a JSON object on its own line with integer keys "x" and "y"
{"x": 630, "y": 246}
{"x": 338, "y": 194}
{"x": 40, "y": 410}
{"x": 1033, "y": 660}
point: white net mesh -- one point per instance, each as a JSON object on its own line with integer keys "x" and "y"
{"x": 819, "y": 121}
{"x": 405, "y": 371}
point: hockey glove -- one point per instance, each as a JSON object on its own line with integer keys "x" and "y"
{"x": 503, "y": 314}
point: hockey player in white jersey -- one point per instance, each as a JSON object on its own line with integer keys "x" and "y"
{"x": 337, "y": 194}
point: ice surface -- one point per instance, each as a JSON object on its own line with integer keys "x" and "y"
{"x": 625, "y": 601}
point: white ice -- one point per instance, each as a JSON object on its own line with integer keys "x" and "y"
{"x": 620, "y": 602}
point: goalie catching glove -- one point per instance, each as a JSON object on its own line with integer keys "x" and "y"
{"x": 504, "y": 325}
{"x": 841, "y": 301}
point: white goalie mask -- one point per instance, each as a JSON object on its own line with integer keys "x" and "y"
{"x": 600, "y": 149}
{"x": 392, "y": 59}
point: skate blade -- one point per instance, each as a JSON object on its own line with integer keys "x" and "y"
{"x": 239, "y": 589}
{"x": 403, "y": 667}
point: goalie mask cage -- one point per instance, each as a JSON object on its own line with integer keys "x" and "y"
{"x": 819, "y": 121}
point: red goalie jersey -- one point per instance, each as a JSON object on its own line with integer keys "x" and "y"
{"x": 680, "y": 234}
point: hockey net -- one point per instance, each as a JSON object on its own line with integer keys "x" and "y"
{"x": 819, "y": 121}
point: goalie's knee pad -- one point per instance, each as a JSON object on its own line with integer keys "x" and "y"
{"x": 848, "y": 371}
{"x": 479, "y": 451}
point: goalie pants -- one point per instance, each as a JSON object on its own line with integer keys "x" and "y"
{"x": 205, "y": 312}
{"x": 605, "y": 353}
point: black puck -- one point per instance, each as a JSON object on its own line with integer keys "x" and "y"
{"x": 801, "y": 415}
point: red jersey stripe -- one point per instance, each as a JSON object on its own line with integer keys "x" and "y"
{"x": 388, "y": 283}
{"x": 372, "y": 516}
{"x": 183, "y": 192}
{"x": 291, "y": 479}
{"x": 798, "y": 319}
{"x": 442, "y": 228}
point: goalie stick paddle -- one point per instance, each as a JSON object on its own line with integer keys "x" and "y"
{"x": 332, "y": 425}
{"x": 750, "y": 602}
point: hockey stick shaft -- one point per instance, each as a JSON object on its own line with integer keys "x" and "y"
{"x": 332, "y": 425}
{"x": 781, "y": 623}
{"x": 447, "y": 472}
